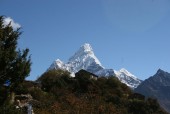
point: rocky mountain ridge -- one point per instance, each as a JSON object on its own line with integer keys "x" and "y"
{"x": 157, "y": 86}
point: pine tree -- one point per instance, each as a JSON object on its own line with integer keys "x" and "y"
{"x": 14, "y": 63}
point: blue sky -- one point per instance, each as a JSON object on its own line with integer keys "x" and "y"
{"x": 131, "y": 34}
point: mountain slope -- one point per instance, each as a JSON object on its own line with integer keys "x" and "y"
{"x": 157, "y": 86}
{"x": 126, "y": 77}
{"x": 85, "y": 59}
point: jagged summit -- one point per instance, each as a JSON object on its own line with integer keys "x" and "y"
{"x": 85, "y": 59}
{"x": 126, "y": 77}
{"x": 157, "y": 86}
{"x": 123, "y": 70}
{"x": 86, "y": 48}
{"x": 160, "y": 71}
{"x": 84, "y": 53}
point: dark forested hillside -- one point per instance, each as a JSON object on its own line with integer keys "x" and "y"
{"x": 86, "y": 93}
{"x": 55, "y": 92}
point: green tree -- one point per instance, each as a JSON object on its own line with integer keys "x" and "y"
{"x": 14, "y": 63}
{"x": 54, "y": 79}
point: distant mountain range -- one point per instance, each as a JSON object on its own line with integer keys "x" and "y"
{"x": 85, "y": 59}
{"x": 157, "y": 86}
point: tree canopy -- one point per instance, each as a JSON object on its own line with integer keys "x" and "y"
{"x": 14, "y": 63}
{"x": 60, "y": 93}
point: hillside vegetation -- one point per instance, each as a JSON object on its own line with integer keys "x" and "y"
{"x": 55, "y": 92}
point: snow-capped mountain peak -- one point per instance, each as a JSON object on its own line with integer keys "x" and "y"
{"x": 86, "y": 48}
{"x": 85, "y": 59}
{"x": 126, "y": 77}
{"x": 84, "y": 53}
{"x": 58, "y": 61}
{"x": 56, "y": 64}
{"x": 123, "y": 70}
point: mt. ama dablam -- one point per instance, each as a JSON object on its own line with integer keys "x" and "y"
{"x": 85, "y": 59}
